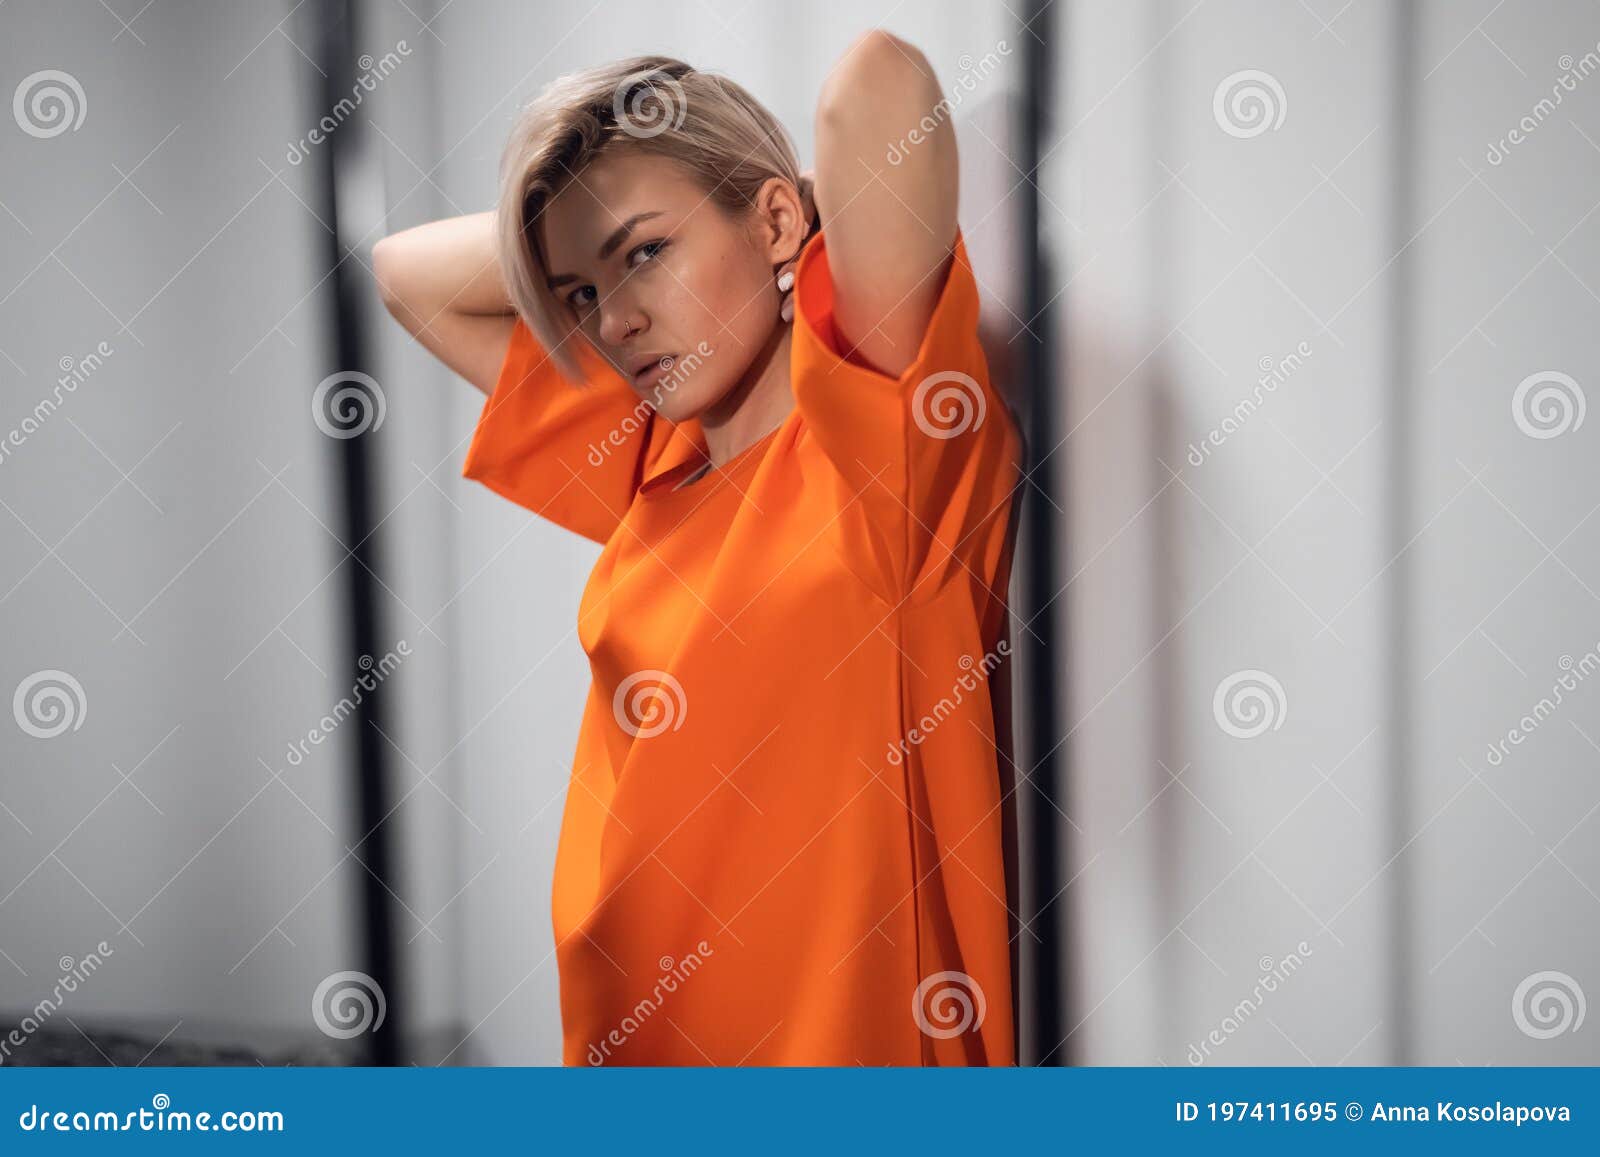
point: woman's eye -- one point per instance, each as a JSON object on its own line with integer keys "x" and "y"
{"x": 648, "y": 251}
{"x": 584, "y": 296}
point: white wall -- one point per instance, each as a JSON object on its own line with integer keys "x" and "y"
{"x": 164, "y": 535}
{"x": 1372, "y": 536}
{"x": 1506, "y": 580}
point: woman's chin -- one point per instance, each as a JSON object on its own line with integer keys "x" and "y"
{"x": 670, "y": 408}
{"x": 680, "y": 405}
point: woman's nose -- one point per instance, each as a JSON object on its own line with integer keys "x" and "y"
{"x": 618, "y": 322}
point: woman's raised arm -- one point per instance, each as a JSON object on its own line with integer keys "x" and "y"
{"x": 886, "y": 190}
{"x": 442, "y": 282}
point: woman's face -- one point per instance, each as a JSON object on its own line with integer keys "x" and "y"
{"x": 670, "y": 288}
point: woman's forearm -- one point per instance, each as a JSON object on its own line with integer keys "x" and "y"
{"x": 442, "y": 282}
{"x": 448, "y": 264}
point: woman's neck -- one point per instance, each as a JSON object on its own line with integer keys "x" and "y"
{"x": 755, "y": 406}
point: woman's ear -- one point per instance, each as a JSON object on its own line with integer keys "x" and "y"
{"x": 783, "y": 221}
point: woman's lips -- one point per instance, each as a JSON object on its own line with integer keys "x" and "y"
{"x": 653, "y": 373}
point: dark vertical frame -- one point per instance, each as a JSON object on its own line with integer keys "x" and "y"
{"x": 1043, "y": 844}
{"x": 340, "y": 165}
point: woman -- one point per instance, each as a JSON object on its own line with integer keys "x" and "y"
{"x": 782, "y": 836}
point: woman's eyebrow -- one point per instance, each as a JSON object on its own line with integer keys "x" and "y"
{"x": 622, "y": 232}
{"x": 617, "y": 238}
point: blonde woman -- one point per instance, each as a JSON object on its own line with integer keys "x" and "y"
{"x": 782, "y": 836}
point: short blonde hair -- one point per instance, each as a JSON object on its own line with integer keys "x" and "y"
{"x": 721, "y": 135}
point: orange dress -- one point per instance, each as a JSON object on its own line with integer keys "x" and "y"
{"x": 781, "y": 843}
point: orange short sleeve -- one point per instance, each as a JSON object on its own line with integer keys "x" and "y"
{"x": 573, "y": 454}
{"x": 933, "y": 456}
